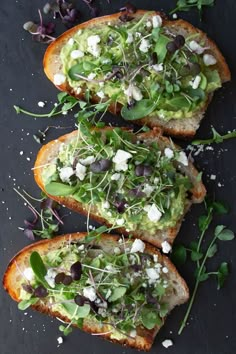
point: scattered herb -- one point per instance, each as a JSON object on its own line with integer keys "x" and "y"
{"x": 41, "y": 134}
{"x": 46, "y": 216}
{"x": 200, "y": 255}
{"x": 216, "y": 138}
{"x": 38, "y": 266}
{"x": 186, "y": 5}
{"x": 40, "y": 32}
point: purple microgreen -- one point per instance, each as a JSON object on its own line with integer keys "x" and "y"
{"x": 93, "y": 9}
{"x": 40, "y": 32}
{"x": 130, "y": 8}
{"x": 29, "y": 234}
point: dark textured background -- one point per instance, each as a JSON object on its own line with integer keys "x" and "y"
{"x": 211, "y": 327}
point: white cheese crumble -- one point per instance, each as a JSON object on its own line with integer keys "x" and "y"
{"x": 115, "y": 177}
{"x": 120, "y": 222}
{"x": 144, "y": 46}
{"x": 87, "y": 161}
{"x": 133, "y": 333}
{"x": 148, "y": 24}
{"x": 59, "y": 79}
{"x": 155, "y": 258}
{"x": 209, "y": 59}
{"x": 196, "y": 48}
{"x": 153, "y": 212}
{"x": 59, "y": 340}
{"x": 106, "y": 205}
{"x": 182, "y": 158}
{"x": 41, "y": 104}
{"x": 166, "y": 247}
{"x": 101, "y": 94}
{"x": 71, "y": 41}
{"x": 147, "y": 189}
{"x": 90, "y": 293}
{"x": 91, "y": 76}
{"x": 50, "y": 277}
{"x": 116, "y": 250}
{"x": 169, "y": 153}
{"x": 213, "y": 177}
{"x": 174, "y": 16}
{"x": 137, "y": 246}
{"x": 93, "y": 47}
{"x": 196, "y": 82}
{"x": 65, "y": 173}
{"x": 156, "y": 21}
{"x": 165, "y": 270}
{"x": 75, "y": 54}
{"x": 158, "y": 67}
{"x": 167, "y": 343}
{"x": 81, "y": 248}
{"x": 130, "y": 38}
{"x": 120, "y": 159}
{"x": 80, "y": 171}
{"x": 152, "y": 273}
{"x": 133, "y": 91}
{"x": 28, "y": 273}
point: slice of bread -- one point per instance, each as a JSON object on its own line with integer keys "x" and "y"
{"x": 13, "y": 279}
{"x": 49, "y": 152}
{"x": 185, "y": 127}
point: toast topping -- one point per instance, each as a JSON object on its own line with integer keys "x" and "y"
{"x": 126, "y": 290}
{"x": 132, "y": 183}
{"x": 144, "y": 64}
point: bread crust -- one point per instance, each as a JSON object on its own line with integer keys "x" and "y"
{"x": 198, "y": 191}
{"x": 174, "y": 127}
{"x": 144, "y": 338}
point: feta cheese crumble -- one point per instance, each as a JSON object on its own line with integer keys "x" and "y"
{"x": 120, "y": 159}
{"x": 196, "y": 82}
{"x": 209, "y": 59}
{"x": 137, "y": 246}
{"x": 169, "y": 153}
{"x": 87, "y": 161}
{"x": 59, "y": 340}
{"x": 196, "y": 48}
{"x": 166, "y": 247}
{"x": 75, "y": 54}
{"x": 90, "y": 293}
{"x": 167, "y": 343}
{"x": 130, "y": 38}
{"x": 115, "y": 177}
{"x": 59, "y": 79}
{"x": 65, "y": 173}
{"x": 152, "y": 273}
{"x": 144, "y": 46}
{"x": 80, "y": 171}
{"x": 50, "y": 277}
{"x": 153, "y": 212}
{"x": 156, "y": 21}
{"x": 28, "y": 273}
{"x": 101, "y": 94}
{"x": 91, "y": 76}
{"x": 182, "y": 158}
{"x": 133, "y": 92}
{"x": 41, "y": 104}
{"x": 158, "y": 67}
{"x": 93, "y": 47}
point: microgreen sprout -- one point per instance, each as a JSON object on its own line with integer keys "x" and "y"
{"x": 64, "y": 10}
{"x": 47, "y": 214}
{"x": 40, "y": 32}
{"x": 200, "y": 254}
{"x": 93, "y": 9}
{"x": 186, "y": 5}
{"x": 216, "y": 138}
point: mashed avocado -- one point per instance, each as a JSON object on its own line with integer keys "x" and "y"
{"x": 141, "y": 63}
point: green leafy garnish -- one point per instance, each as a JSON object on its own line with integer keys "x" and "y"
{"x": 150, "y": 319}
{"x": 38, "y": 267}
{"x": 200, "y": 255}
{"x": 24, "y": 304}
{"x": 186, "y": 5}
{"x": 141, "y": 109}
{"x": 216, "y": 138}
{"x": 117, "y": 294}
{"x": 60, "y": 189}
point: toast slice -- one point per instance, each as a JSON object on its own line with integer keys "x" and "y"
{"x": 142, "y": 258}
{"x": 127, "y": 195}
{"x": 126, "y": 64}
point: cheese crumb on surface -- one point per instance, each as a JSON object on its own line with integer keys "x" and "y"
{"x": 93, "y": 47}
{"x": 28, "y": 273}
{"x": 91, "y": 76}
{"x": 101, "y": 94}
{"x": 195, "y": 47}
{"x": 41, "y": 104}
{"x": 87, "y": 161}
{"x": 120, "y": 159}
{"x": 137, "y": 246}
{"x": 59, "y": 340}
{"x": 182, "y": 158}
{"x": 50, "y": 277}
{"x": 153, "y": 212}
{"x": 120, "y": 222}
{"x": 59, "y": 79}
{"x": 158, "y": 67}
{"x": 166, "y": 247}
{"x": 75, "y": 54}
{"x": 115, "y": 177}
{"x": 71, "y": 41}
{"x": 196, "y": 82}
{"x": 144, "y": 46}
{"x": 152, "y": 273}
{"x": 167, "y": 343}
{"x": 106, "y": 205}
{"x": 213, "y": 177}
{"x": 130, "y": 38}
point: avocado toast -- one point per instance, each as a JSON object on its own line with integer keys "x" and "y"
{"x": 116, "y": 288}
{"x": 141, "y": 184}
{"x": 151, "y": 70}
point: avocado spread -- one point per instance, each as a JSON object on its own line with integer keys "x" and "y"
{"x": 119, "y": 289}
{"x": 132, "y": 183}
{"x": 143, "y": 65}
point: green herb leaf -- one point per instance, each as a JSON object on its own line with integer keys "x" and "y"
{"x": 220, "y": 208}
{"x": 60, "y": 189}
{"x": 83, "y": 311}
{"x": 150, "y": 318}
{"x": 212, "y": 251}
{"x": 179, "y": 254}
{"x": 222, "y": 274}
{"x": 224, "y": 234}
{"x": 66, "y": 330}
{"x": 216, "y": 138}
{"x": 24, "y": 304}
{"x": 38, "y": 266}
{"x": 196, "y": 256}
{"x": 62, "y": 96}
{"x": 204, "y": 222}
{"x": 160, "y": 48}
{"x": 117, "y": 293}
{"x": 141, "y": 109}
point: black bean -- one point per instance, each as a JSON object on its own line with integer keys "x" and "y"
{"x": 179, "y": 41}
{"x": 59, "y": 278}
{"x": 171, "y": 47}
{"x": 67, "y": 280}
{"x": 80, "y": 300}
{"x": 40, "y": 291}
{"x": 76, "y": 270}
{"x": 28, "y": 288}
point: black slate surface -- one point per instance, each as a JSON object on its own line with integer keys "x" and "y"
{"x": 211, "y": 328}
